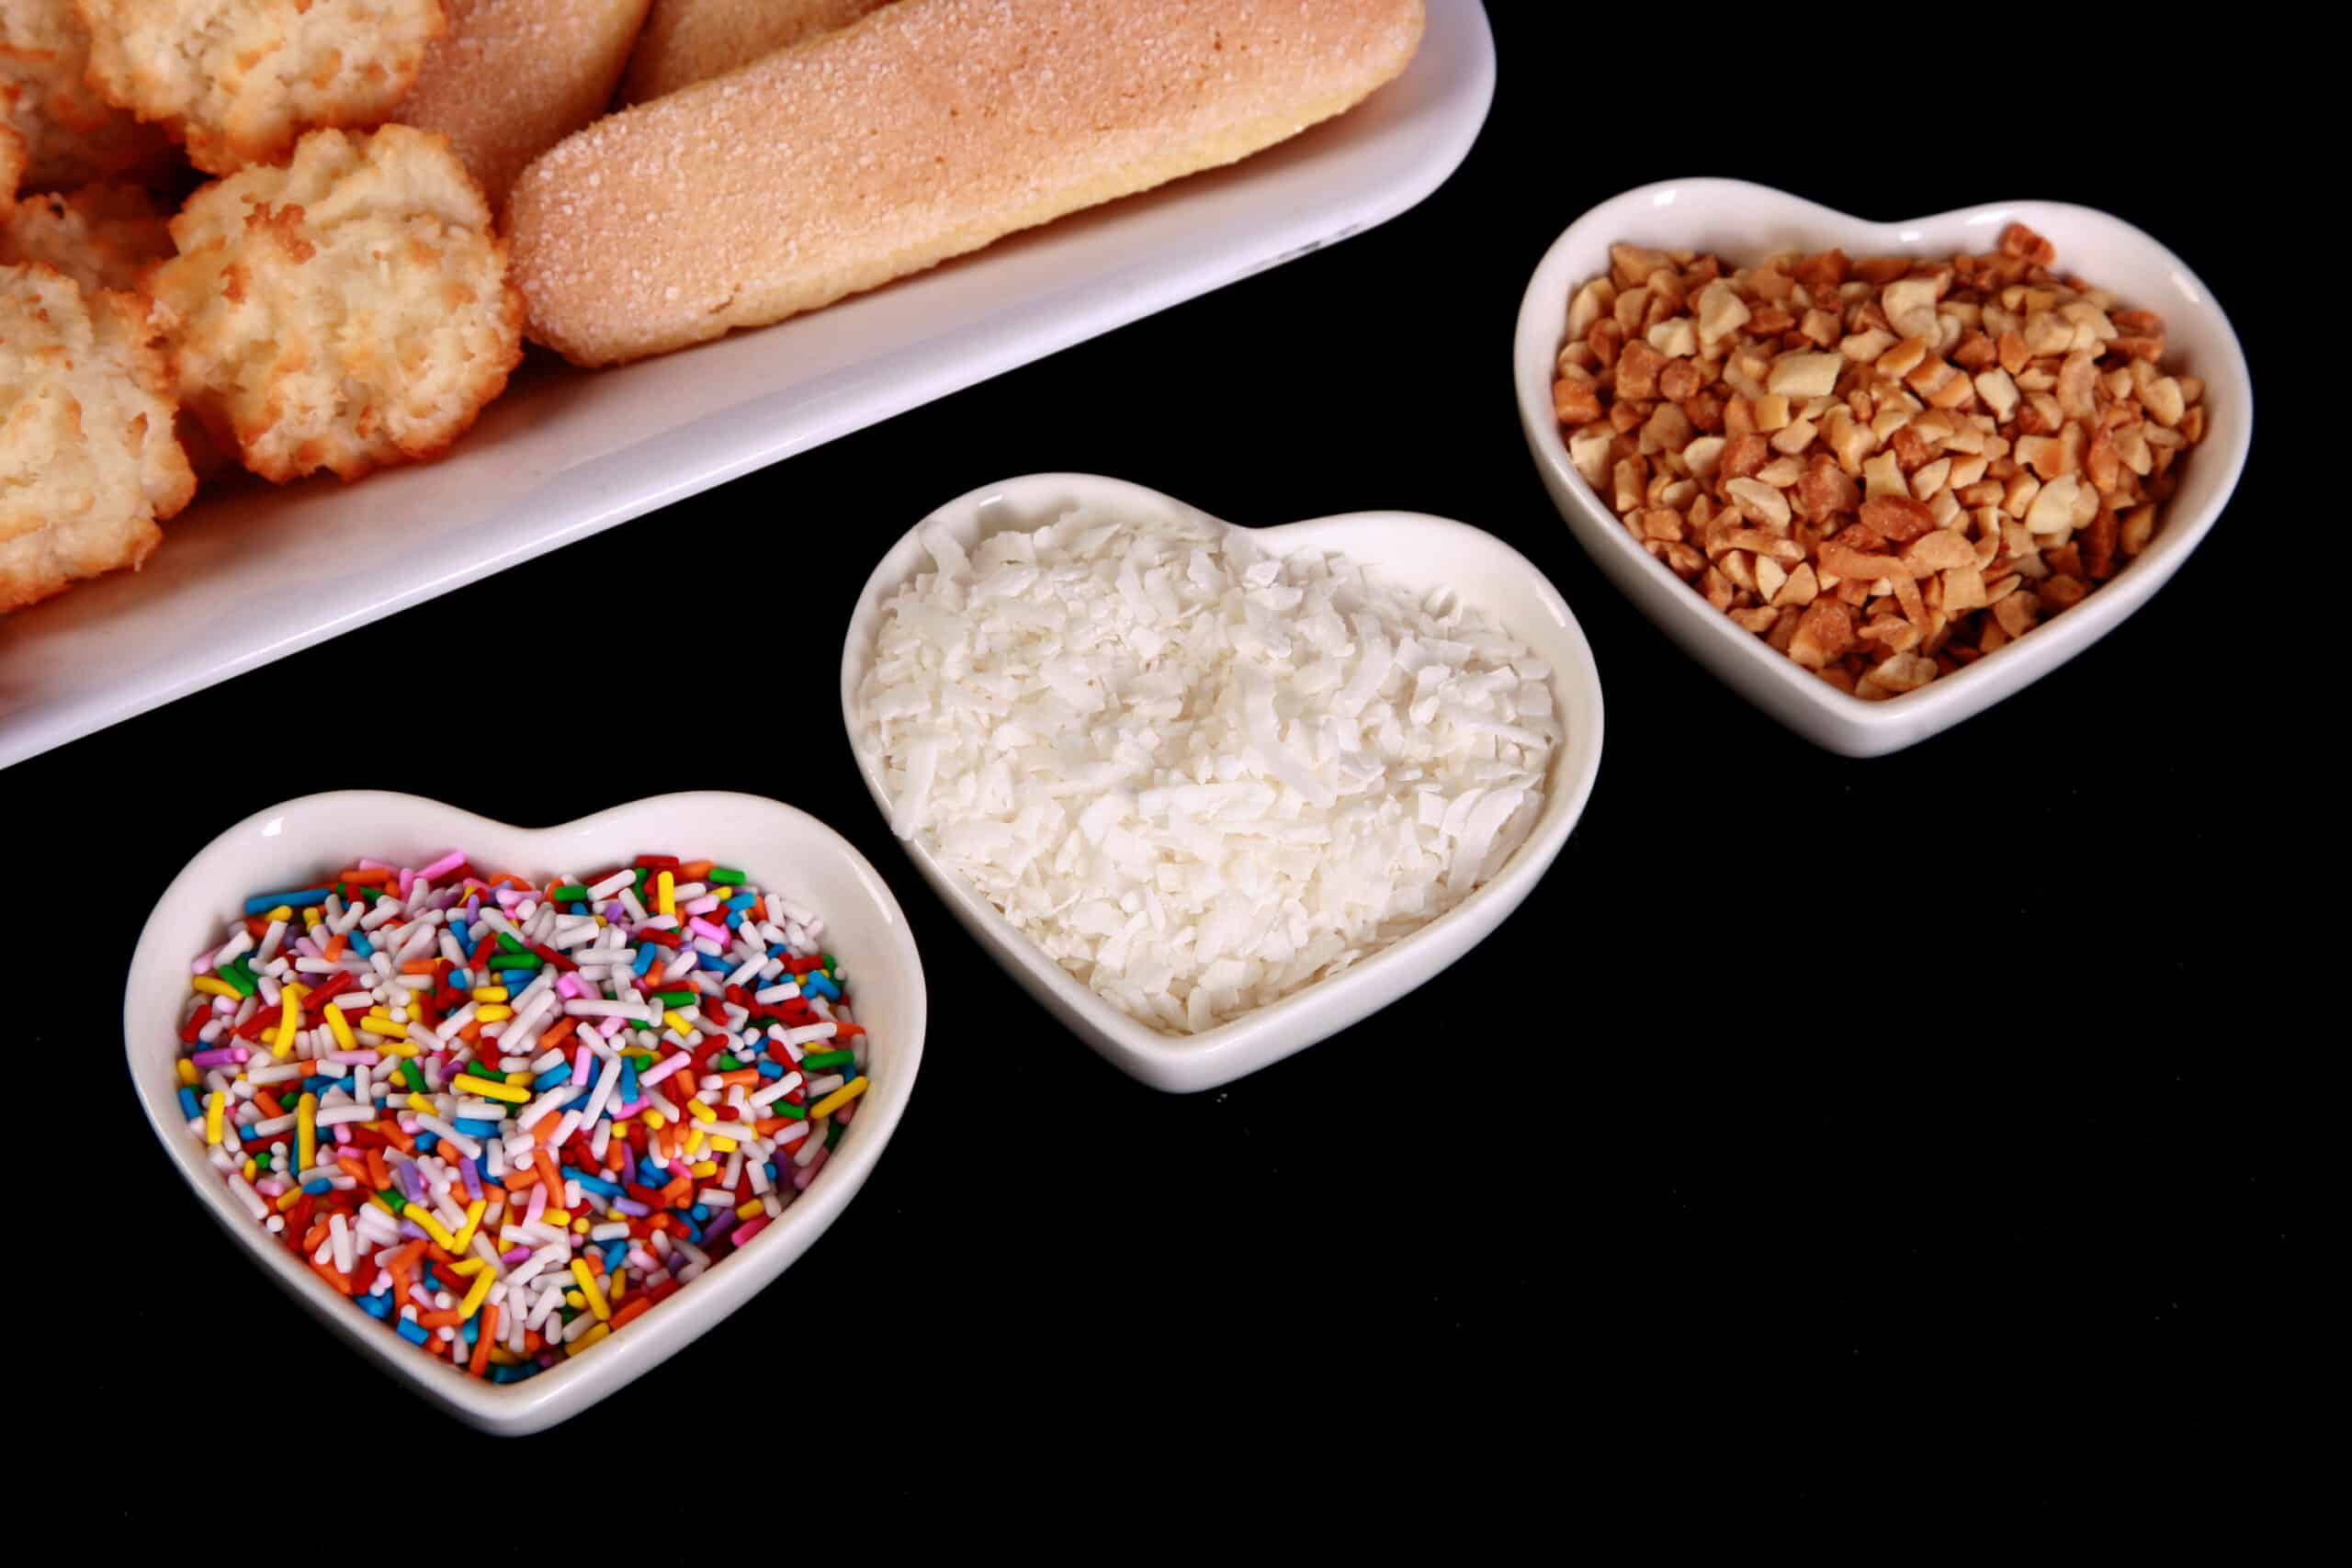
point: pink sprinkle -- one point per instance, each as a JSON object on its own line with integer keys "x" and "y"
{"x": 745, "y": 1232}
{"x": 703, "y": 927}
{"x": 441, "y": 867}
{"x": 568, "y": 987}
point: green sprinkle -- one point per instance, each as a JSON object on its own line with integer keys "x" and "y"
{"x": 513, "y": 960}
{"x": 780, "y": 1108}
{"x": 508, "y": 944}
{"x": 833, "y": 1134}
{"x": 725, "y": 876}
{"x": 409, "y": 1071}
{"x": 677, "y": 999}
{"x": 820, "y": 1060}
{"x": 725, "y": 1063}
{"x": 569, "y": 893}
{"x": 235, "y": 973}
{"x": 397, "y": 1200}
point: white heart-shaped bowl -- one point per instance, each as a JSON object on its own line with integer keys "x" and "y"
{"x": 287, "y": 845}
{"x": 1741, "y": 222}
{"x": 1414, "y": 551}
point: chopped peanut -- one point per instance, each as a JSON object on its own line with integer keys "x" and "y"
{"x": 1886, "y": 469}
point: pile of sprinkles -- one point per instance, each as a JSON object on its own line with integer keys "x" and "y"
{"x": 506, "y": 1119}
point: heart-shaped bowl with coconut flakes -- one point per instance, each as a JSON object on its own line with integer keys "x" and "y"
{"x": 1411, "y": 551}
{"x": 1744, "y": 224}
{"x": 783, "y": 849}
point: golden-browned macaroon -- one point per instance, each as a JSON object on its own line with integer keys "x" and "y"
{"x": 88, "y": 464}
{"x": 344, "y": 311}
{"x": 12, "y": 166}
{"x": 687, "y": 41}
{"x": 239, "y": 80}
{"x": 100, "y": 236}
{"x": 514, "y": 77}
{"x": 931, "y": 129}
{"x": 71, "y": 135}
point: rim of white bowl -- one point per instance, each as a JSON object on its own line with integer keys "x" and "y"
{"x": 515, "y": 1408}
{"x": 1924, "y": 706}
{"x": 1563, "y": 808}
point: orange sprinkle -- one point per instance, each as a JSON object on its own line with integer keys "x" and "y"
{"x": 352, "y": 1168}
{"x": 695, "y": 869}
{"x": 636, "y": 1307}
{"x": 561, "y": 1033}
{"x": 328, "y": 1273}
{"x": 745, "y": 1076}
{"x": 268, "y": 1103}
{"x": 315, "y": 1234}
{"x": 449, "y": 1319}
{"x": 378, "y": 1173}
{"x": 483, "y": 1340}
{"x": 393, "y": 1135}
{"x": 417, "y": 966}
{"x": 333, "y": 949}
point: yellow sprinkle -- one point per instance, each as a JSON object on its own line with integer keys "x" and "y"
{"x": 489, "y": 993}
{"x": 472, "y": 1303}
{"x": 592, "y": 1290}
{"x": 310, "y": 918}
{"x": 501, "y": 1358}
{"x": 188, "y": 1075}
{"x": 701, "y": 1112}
{"x": 468, "y": 1267}
{"x": 379, "y": 1201}
{"x": 707, "y": 1168}
{"x": 653, "y": 1120}
{"x": 601, "y": 1331}
{"x": 212, "y": 987}
{"x": 252, "y": 1168}
{"x": 289, "y": 1013}
{"x": 473, "y": 1217}
{"x": 838, "y": 1098}
{"x": 491, "y": 1012}
{"x": 694, "y": 1141}
{"x": 286, "y": 1201}
{"x": 432, "y": 1224}
{"x": 580, "y": 1225}
{"x": 665, "y": 894}
{"x": 555, "y": 1216}
{"x": 620, "y": 1284}
{"x": 465, "y": 1083}
{"x": 216, "y": 1105}
{"x": 306, "y": 1132}
{"x": 574, "y": 1300}
{"x": 420, "y": 1105}
{"x": 342, "y": 1029}
{"x": 724, "y": 1146}
{"x": 745, "y": 1211}
{"x": 283, "y": 912}
{"x": 678, "y": 1021}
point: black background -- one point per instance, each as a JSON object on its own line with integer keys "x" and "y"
{"x": 1736, "y": 1130}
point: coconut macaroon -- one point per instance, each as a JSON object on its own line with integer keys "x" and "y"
{"x": 100, "y": 236}
{"x": 514, "y": 77}
{"x": 88, "y": 463}
{"x": 71, "y": 135}
{"x": 348, "y": 310}
{"x": 239, "y": 80}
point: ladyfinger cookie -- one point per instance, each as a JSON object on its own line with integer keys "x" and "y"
{"x": 687, "y": 41}
{"x": 511, "y": 78}
{"x": 927, "y": 130}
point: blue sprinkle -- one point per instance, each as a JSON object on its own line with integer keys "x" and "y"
{"x": 309, "y": 898}
{"x": 473, "y": 1127}
{"x": 772, "y": 1172}
{"x": 741, "y": 901}
{"x": 615, "y": 1250}
{"x": 189, "y": 1104}
{"x": 378, "y": 1305}
{"x": 645, "y": 957}
{"x": 360, "y": 944}
{"x": 699, "y": 1214}
{"x": 734, "y": 919}
{"x": 628, "y": 1082}
{"x": 588, "y": 1183}
{"x": 558, "y": 1074}
{"x": 470, "y": 1330}
{"x": 413, "y": 1331}
{"x": 315, "y": 1188}
{"x": 427, "y": 1142}
{"x": 499, "y": 1372}
{"x": 769, "y": 1069}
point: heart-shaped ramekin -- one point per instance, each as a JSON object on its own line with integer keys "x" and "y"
{"x": 1743, "y": 222}
{"x": 289, "y": 844}
{"x": 1414, "y": 551}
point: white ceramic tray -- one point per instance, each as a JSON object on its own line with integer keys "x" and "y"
{"x": 256, "y": 575}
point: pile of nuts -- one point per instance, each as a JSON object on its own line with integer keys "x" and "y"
{"x": 1886, "y": 468}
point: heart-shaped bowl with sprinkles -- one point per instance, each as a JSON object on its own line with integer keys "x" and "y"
{"x": 783, "y": 851}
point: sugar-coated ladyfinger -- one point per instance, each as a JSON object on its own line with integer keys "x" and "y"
{"x": 926, "y": 130}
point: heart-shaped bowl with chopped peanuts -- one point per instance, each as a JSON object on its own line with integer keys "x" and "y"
{"x": 2019, "y": 417}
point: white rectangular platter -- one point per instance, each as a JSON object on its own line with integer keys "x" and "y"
{"x": 253, "y": 574}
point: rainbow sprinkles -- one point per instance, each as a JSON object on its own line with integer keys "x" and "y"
{"x": 507, "y": 1118}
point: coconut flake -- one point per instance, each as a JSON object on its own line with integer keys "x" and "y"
{"x": 1197, "y": 775}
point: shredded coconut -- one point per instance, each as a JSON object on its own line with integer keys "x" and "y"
{"x": 1198, "y": 776}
